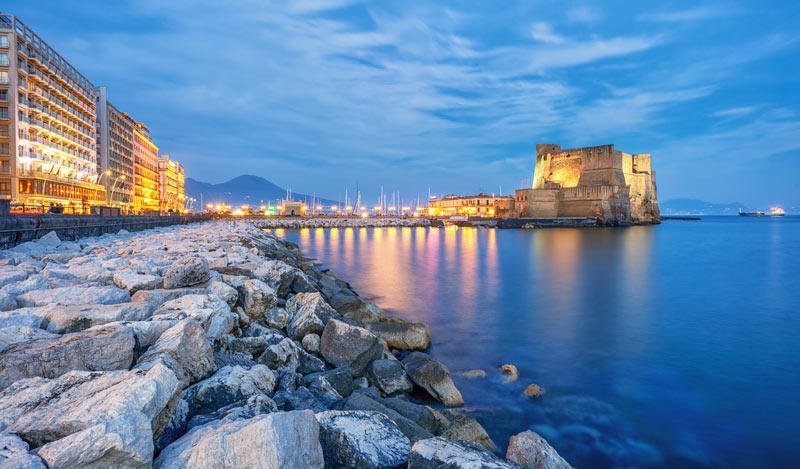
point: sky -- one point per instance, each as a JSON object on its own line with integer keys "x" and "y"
{"x": 321, "y": 95}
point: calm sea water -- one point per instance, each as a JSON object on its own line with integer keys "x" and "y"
{"x": 672, "y": 345}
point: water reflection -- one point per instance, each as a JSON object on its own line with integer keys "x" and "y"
{"x": 657, "y": 346}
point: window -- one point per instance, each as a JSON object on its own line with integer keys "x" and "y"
{"x": 3, "y": 113}
{"x": 3, "y": 40}
{"x": 3, "y": 95}
{"x": 4, "y": 166}
{"x": 4, "y": 149}
{"x": 3, "y": 59}
{"x": 5, "y": 188}
{"x": 3, "y": 77}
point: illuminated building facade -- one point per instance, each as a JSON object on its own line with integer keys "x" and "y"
{"x": 170, "y": 183}
{"x": 115, "y": 140}
{"x": 47, "y": 124}
{"x": 481, "y": 205}
{"x": 145, "y": 169}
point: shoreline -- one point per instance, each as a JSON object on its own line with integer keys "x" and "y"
{"x": 150, "y": 348}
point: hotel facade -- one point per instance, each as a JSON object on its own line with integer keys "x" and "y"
{"x": 63, "y": 143}
{"x": 170, "y": 183}
{"x": 481, "y": 205}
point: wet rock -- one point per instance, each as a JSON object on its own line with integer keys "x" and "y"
{"x": 474, "y": 374}
{"x": 402, "y": 335}
{"x": 15, "y": 334}
{"x": 342, "y": 344}
{"x": 360, "y": 439}
{"x": 100, "y": 348}
{"x": 73, "y": 318}
{"x": 119, "y": 443}
{"x": 465, "y": 428}
{"x": 255, "y": 405}
{"x": 340, "y": 379}
{"x": 309, "y": 313}
{"x": 360, "y": 401}
{"x": 278, "y": 440}
{"x": 367, "y": 313}
{"x": 14, "y": 454}
{"x": 258, "y": 297}
{"x": 440, "y": 453}
{"x": 41, "y": 411}
{"x": 533, "y": 390}
{"x": 422, "y": 415}
{"x": 511, "y": 373}
{"x": 227, "y": 386}
{"x": 186, "y": 272}
{"x": 389, "y": 376}
{"x": 311, "y": 343}
{"x": 276, "y": 318}
{"x": 530, "y": 450}
{"x": 74, "y": 296}
{"x": 432, "y": 376}
{"x": 183, "y": 348}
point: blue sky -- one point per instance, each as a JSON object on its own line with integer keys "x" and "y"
{"x": 318, "y": 95}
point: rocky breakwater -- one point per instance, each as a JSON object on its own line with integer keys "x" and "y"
{"x": 342, "y": 222}
{"x": 218, "y": 345}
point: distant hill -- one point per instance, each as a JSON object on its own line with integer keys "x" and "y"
{"x": 241, "y": 190}
{"x": 698, "y": 207}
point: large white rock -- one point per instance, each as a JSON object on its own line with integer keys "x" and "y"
{"x": 25, "y": 317}
{"x": 11, "y": 274}
{"x": 273, "y": 441}
{"x": 530, "y": 450}
{"x": 184, "y": 348}
{"x": 74, "y": 296}
{"x": 186, "y": 272}
{"x": 133, "y": 282}
{"x": 342, "y": 344}
{"x": 210, "y": 311}
{"x": 73, "y": 318}
{"x": 42, "y": 410}
{"x": 278, "y": 275}
{"x": 100, "y": 348}
{"x": 15, "y": 334}
{"x": 14, "y": 454}
{"x": 258, "y": 298}
{"x": 228, "y": 385}
{"x": 439, "y": 453}
{"x": 309, "y": 314}
{"x": 361, "y": 439}
{"x": 50, "y": 240}
{"x": 224, "y": 291}
{"x": 90, "y": 272}
{"x": 123, "y": 443}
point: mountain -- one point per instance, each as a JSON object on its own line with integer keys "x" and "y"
{"x": 241, "y": 190}
{"x": 699, "y": 207}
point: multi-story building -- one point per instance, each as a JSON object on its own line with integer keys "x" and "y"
{"x": 481, "y": 205}
{"x": 47, "y": 124}
{"x": 115, "y": 140}
{"x": 170, "y": 183}
{"x": 145, "y": 169}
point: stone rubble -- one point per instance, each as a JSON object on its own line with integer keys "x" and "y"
{"x": 219, "y": 345}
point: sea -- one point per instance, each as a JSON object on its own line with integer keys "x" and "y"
{"x": 673, "y": 345}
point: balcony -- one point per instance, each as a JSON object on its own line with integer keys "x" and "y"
{"x": 23, "y": 49}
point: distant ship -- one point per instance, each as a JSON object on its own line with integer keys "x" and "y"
{"x": 773, "y": 212}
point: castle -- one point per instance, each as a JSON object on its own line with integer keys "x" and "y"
{"x": 599, "y": 182}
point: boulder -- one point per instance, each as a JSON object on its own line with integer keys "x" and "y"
{"x": 133, "y": 282}
{"x": 464, "y": 427}
{"x": 510, "y": 372}
{"x": 345, "y": 301}
{"x": 26, "y": 317}
{"x": 276, "y": 318}
{"x": 389, "y": 376}
{"x": 224, "y": 291}
{"x": 440, "y": 453}
{"x": 125, "y": 443}
{"x": 278, "y": 275}
{"x": 12, "y": 274}
{"x": 74, "y": 296}
{"x": 96, "y": 349}
{"x": 50, "y": 240}
{"x": 367, "y": 313}
{"x": 41, "y": 410}
{"x": 183, "y": 348}
{"x": 311, "y": 343}
{"x": 342, "y": 344}
{"x": 362, "y": 440}
{"x": 529, "y": 450}
{"x": 300, "y": 399}
{"x": 422, "y": 415}
{"x": 227, "y": 386}
{"x": 340, "y": 379}
{"x": 402, "y": 335}
{"x": 14, "y": 454}
{"x": 359, "y": 401}
{"x": 309, "y": 314}
{"x": 258, "y": 297}
{"x": 73, "y": 318}
{"x": 186, "y": 272}
{"x": 15, "y": 334}
{"x": 90, "y": 272}
{"x": 275, "y": 441}
{"x": 210, "y": 311}
{"x": 432, "y": 376}
{"x": 161, "y": 296}
{"x": 255, "y": 405}
{"x": 533, "y": 390}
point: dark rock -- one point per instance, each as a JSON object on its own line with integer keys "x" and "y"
{"x": 340, "y": 379}
{"x": 422, "y": 415}
{"x": 361, "y": 440}
{"x": 359, "y": 401}
{"x": 227, "y": 386}
{"x": 429, "y": 374}
{"x": 389, "y": 376}
{"x": 440, "y": 453}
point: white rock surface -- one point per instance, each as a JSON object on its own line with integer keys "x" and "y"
{"x": 361, "y": 439}
{"x": 528, "y": 449}
{"x": 74, "y": 296}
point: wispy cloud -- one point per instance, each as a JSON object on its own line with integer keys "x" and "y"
{"x": 734, "y": 112}
{"x": 543, "y": 32}
{"x": 583, "y": 14}
{"x": 688, "y": 15}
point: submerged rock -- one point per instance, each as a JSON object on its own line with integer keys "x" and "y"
{"x": 432, "y": 376}
{"x": 533, "y": 390}
{"x": 511, "y": 373}
{"x": 363, "y": 440}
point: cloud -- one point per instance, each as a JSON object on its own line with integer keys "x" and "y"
{"x": 543, "y": 32}
{"x": 583, "y": 14}
{"x": 689, "y": 15}
{"x": 734, "y": 112}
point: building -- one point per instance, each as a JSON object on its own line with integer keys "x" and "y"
{"x": 292, "y": 208}
{"x": 599, "y": 182}
{"x": 115, "y": 140}
{"x": 170, "y": 184}
{"x": 47, "y": 124}
{"x": 481, "y": 205}
{"x": 145, "y": 168}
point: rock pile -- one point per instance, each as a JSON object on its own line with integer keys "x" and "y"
{"x": 217, "y": 345}
{"x": 341, "y": 222}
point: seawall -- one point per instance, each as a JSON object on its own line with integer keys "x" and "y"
{"x": 341, "y": 222}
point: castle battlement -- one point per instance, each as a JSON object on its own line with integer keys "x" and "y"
{"x": 598, "y": 181}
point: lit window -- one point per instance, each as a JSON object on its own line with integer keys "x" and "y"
{"x": 3, "y": 77}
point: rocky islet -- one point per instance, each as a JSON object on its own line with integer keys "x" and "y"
{"x": 217, "y": 345}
